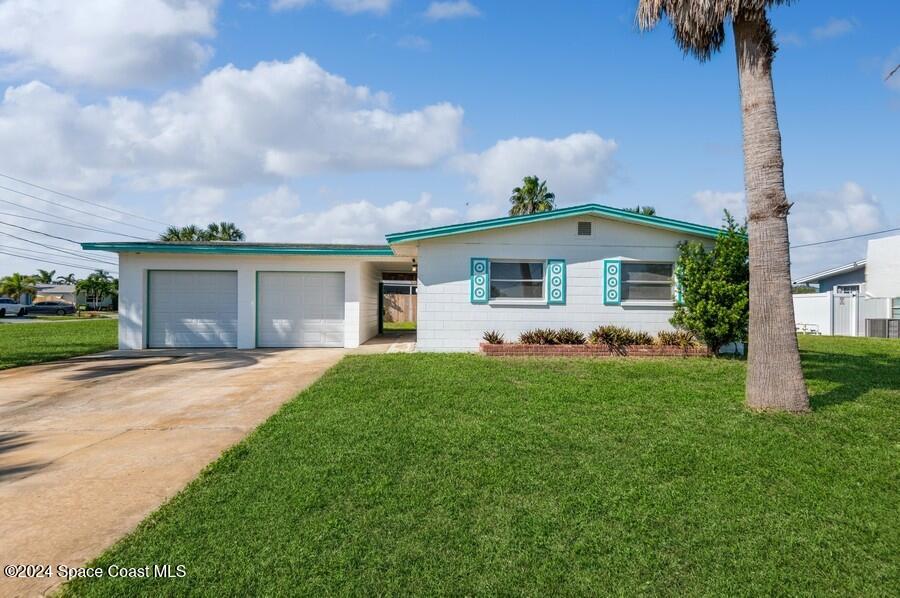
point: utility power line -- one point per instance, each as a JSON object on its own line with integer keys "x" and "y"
{"x": 44, "y": 261}
{"x": 31, "y": 230}
{"x": 90, "y": 228}
{"x": 878, "y": 232}
{"x": 43, "y": 213}
{"x": 72, "y": 253}
{"x": 44, "y": 253}
{"x": 93, "y": 215}
{"x": 99, "y": 205}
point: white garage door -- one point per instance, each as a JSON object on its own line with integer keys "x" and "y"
{"x": 192, "y": 308}
{"x": 300, "y": 309}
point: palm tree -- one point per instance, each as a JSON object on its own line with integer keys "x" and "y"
{"x": 215, "y": 231}
{"x": 44, "y": 276}
{"x": 223, "y": 231}
{"x": 531, "y": 197}
{"x": 774, "y": 378}
{"x": 96, "y": 286}
{"x": 67, "y": 279}
{"x": 182, "y": 233}
{"x": 15, "y": 285}
{"x": 643, "y": 210}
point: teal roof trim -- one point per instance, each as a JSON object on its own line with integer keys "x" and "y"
{"x": 237, "y": 248}
{"x": 592, "y": 209}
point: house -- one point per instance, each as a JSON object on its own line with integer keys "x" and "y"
{"x": 577, "y": 267}
{"x": 857, "y": 299}
{"x": 52, "y": 292}
{"x": 849, "y": 278}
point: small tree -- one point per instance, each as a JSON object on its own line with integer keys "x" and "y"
{"x": 532, "y": 197}
{"x": 44, "y": 276}
{"x": 715, "y": 287}
{"x": 97, "y": 286}
{"x": 642, "y": 210}
{"x": 15, "y": 285}
{"x": 215, "y": 231}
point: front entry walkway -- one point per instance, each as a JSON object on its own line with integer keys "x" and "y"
{"x": 90, "y": 446}
{"x": 389, "y": 342}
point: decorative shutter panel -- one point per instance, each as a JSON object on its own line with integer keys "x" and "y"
{"x": 556, "y": 282}
{"x": 612, "y": 282}
{"x": 479, "y": 272}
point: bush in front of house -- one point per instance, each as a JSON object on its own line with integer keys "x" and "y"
{"x": 570, "y": 336}
{"x": 492, "y": 337}
{"x": 676, "y": 338}
{"x": 614, "y": 337}
{"x": 715, "y": 288}
{"x": 538, "y": 336}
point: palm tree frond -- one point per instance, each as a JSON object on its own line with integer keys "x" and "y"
{"x": 698, "y": 26}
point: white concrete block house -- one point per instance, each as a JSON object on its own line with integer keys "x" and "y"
{"x": 578, "y": 267}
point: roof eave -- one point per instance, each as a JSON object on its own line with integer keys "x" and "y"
{"x": 233, "y": 249}
{"x": 593, "y": 209}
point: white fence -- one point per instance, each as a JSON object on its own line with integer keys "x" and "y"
{"x": 837, "y": 313}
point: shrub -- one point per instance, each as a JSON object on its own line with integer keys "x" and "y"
{"x": 569, "y": 336}
{"x": 639, "y": 337}
{"x": 715, "y": 288}
{"x": 677, "y": 338}
{"x": 492, "y": 337}
{"x": 614, "y": 337}
{"x": 538, "y": 336}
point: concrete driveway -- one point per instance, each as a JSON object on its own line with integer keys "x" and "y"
{"x": 90, "y": 446}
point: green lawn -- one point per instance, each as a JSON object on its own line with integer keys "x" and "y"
{"x": 460, "y": 475}
{"x": 24, "y": 344}
{"x": 395, "y": 326}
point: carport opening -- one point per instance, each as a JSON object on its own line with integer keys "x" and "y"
{"x": 398, "y": 301}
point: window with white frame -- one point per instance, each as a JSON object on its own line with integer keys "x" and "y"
{"x": 647, "y": 282}
{"x": 895, "y": 309}
{"x": 517, "y": 280}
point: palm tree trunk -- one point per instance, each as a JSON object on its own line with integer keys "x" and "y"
{"x": 774, "y": 377}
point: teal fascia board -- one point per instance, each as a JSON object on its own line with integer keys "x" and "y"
{"x": 236, "y": 249}
{"x": 589, "y": 209}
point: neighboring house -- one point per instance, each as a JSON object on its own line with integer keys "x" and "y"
{"x": 52, "y": 292}
{"x": 61, "y": 292}
{"x": 857, "y": 299}
{"x": 849, "y": 278}
{"x": 577, "y": 267}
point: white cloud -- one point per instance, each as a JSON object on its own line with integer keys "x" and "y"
{"x": 577, "y": 168}
{"x": 350, "y": 222}
{"x": 834, "y": 28}
{"x": 350, "y": 7}
{"x": 789, "y": 39}
{"x": 456, "y": 9}
{"x": 712, "y": 204}
{"x": 105, "y": 43}
{"x": 195, "y": 206}
{"x": 414, "y": 42}
{"x": 816, "y": 216}
{"x": 278, "y": 119}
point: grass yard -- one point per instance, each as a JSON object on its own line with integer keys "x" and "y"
{"x": 398, "y": 326}
{"x": 24, "y": 344}
{"x": 461, "y": 475}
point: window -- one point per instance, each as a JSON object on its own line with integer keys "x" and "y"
{"x": 646, "y": 282}
{"x": 895, "y": 308}
{"x": 517, "y": 280}
{"x": 584, "y": 229}
{"x": 399, "y": 289}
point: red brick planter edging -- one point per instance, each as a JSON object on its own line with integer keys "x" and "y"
{"x": 520, "y": 350}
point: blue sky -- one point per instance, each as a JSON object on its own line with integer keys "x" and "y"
{"x": 342, "y": 120}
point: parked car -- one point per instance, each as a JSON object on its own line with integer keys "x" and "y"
{"x": 10, "y": 307}
{"x": 60, "y": 308}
